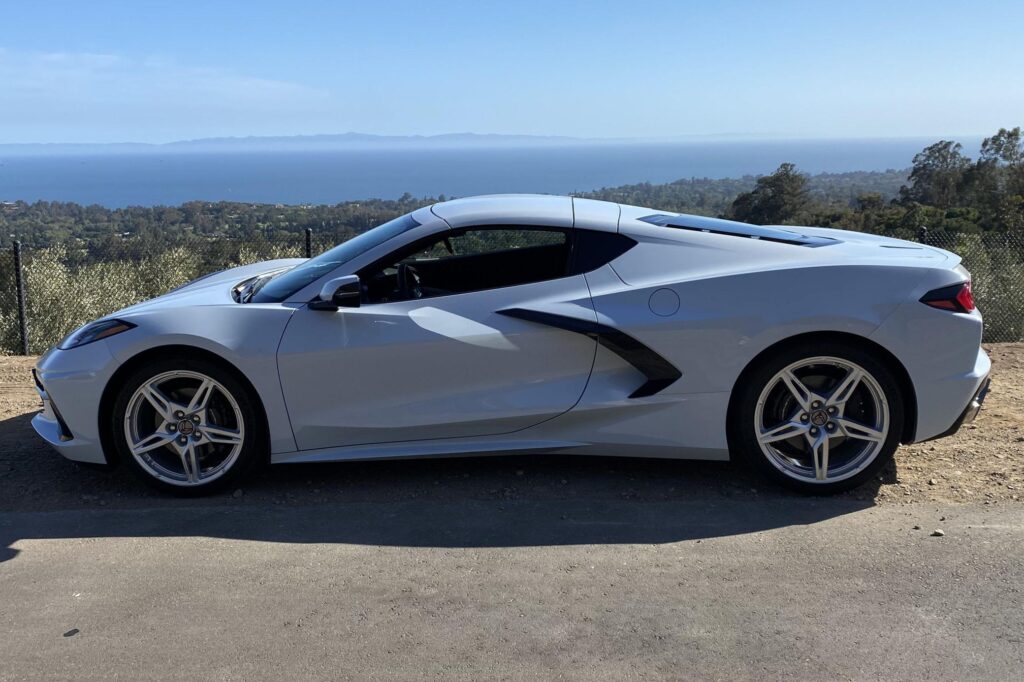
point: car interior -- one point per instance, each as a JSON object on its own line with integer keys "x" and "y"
{"x": 467, "y": 260}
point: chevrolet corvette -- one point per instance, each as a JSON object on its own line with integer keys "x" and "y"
{"x": 533, "y": 324}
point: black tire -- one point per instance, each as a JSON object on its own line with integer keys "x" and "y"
{"x": 253, "y": 450}
{"x": 743, "y": 440}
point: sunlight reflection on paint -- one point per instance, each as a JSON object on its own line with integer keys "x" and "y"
{"x": 460, "y": 328}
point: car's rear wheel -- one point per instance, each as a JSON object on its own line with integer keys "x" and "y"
{"x": 821, "y": 418}
{"x": 186, "y": 426}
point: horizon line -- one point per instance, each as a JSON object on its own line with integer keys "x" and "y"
{"x": 484, "y": 137}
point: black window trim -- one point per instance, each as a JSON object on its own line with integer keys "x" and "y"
{"x": 417, "y": 245}
{"x": 574, "y": 235}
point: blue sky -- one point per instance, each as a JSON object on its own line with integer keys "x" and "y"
{"x": 103, "y": 71}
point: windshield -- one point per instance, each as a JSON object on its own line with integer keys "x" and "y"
{"x": 281, "y": 287}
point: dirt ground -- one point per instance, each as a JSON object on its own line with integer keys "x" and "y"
{"x": 984, "y": 462}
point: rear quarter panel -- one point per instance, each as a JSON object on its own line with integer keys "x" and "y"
{"x": 736, "y": 298}
{"x": 736, "y": 302}
{"x": 941, "y": 352}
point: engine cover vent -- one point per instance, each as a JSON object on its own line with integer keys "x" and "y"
{"x": 735, "y": 229}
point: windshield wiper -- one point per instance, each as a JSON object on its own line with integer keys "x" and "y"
{"x": 253, "y": 286}
{"x": 257, "y": 284}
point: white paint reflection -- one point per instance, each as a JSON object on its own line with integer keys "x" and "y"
{"x": 460, "y": 328}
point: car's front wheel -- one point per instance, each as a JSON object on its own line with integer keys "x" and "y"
{"x": 820, "y": 418}
{"x": 186, "y": 426}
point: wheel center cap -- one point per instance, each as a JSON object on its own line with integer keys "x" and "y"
{"x": 819, "y": 417}
{"x": 186, "y": 427}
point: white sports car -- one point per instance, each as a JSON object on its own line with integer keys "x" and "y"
{"x": 514, "y": 324}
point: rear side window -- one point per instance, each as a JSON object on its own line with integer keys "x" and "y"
{"x": 594, "y": 249}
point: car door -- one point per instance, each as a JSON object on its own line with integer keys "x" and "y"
{"x": 446, "y": 365}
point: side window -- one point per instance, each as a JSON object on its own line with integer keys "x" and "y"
{"x": 479, "y": 242}
{"x": 468, "y": 260}
{"x": 594, "y": 249}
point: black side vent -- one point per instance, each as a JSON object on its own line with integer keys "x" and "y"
{"x": 735, "y": 229}
{"x": 659, "y": 372}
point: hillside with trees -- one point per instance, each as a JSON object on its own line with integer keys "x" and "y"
{"x": 942, "y": 190}
{"x": 81, "y": 262}
{"x": 706, "y": 196}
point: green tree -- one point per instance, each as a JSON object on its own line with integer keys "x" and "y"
{"x": 937, "y": 176}
{"x": 775, "y": 199}
{"x": 995, "y": 184}
{"x": 1004, "y": 148}
{"x": 1004, "y": 151}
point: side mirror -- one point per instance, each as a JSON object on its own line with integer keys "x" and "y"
{"x": 340, "y": 292}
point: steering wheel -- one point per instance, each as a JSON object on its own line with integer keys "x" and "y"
{"x": 409, "y": 285}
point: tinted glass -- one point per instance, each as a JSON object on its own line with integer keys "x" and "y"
{"x": 594, "y": 249}
{"x": 469, "y": 260}
{"x": 486, "y": 241}
{"x": 286, "y": 284}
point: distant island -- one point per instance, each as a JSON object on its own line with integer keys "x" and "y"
{"x": 354, "y": 141}
{"x": 328, "y": 169}
{"x": 323, "y": 142}
{"x": 944, "y": 189}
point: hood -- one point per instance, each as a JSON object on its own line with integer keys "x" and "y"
{"x": 212, "y": 289}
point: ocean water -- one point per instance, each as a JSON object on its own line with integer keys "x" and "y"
{"x": 297, "y": 177}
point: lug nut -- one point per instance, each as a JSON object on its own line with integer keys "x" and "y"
{"x": 172, "y": 427}
{"x": 816, "y": 404}
{"x": 832, "y": 410}
{"x": 183, "y": 440}
{"x": 196, "y": 435}
{"x": 195, "y": 419}
{"x": 179, "y": 414}
{"x": 804, "y": 417}
{"x": 830, "y": 426}
{"x": 814, "y": 431}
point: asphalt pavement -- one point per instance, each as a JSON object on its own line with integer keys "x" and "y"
{"x": 716, "y": 587}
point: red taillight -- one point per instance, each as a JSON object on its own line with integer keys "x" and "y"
{"x": 966, "y": 298}
{"x": 957, "y": 298}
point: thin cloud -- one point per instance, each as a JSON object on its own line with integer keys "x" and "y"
{"x": 100, "y": 93}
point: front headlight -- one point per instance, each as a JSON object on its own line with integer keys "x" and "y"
{"x": 94, "y": 331}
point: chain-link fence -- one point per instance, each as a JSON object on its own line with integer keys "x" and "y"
{"x": 996, "y": 263}
{"x": 9, "y": 322}
{"x": 72, "y": 283}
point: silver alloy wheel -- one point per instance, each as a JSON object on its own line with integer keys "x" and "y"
{"x": 184, "y": 428}
{"x": 822, "y": 419}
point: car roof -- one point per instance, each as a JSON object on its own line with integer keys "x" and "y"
{"x": 506, "y": 209}
{"x": 529, "y": 209}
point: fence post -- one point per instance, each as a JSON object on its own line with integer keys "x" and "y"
{"x": 19, "y": 284}
{"x": 922, "y": 234}
{"x": 309, "y": 242}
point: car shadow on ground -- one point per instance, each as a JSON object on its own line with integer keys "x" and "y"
{"x": 465, "y": 502}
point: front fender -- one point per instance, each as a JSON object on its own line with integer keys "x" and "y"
{"x": 246, "y": 336}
